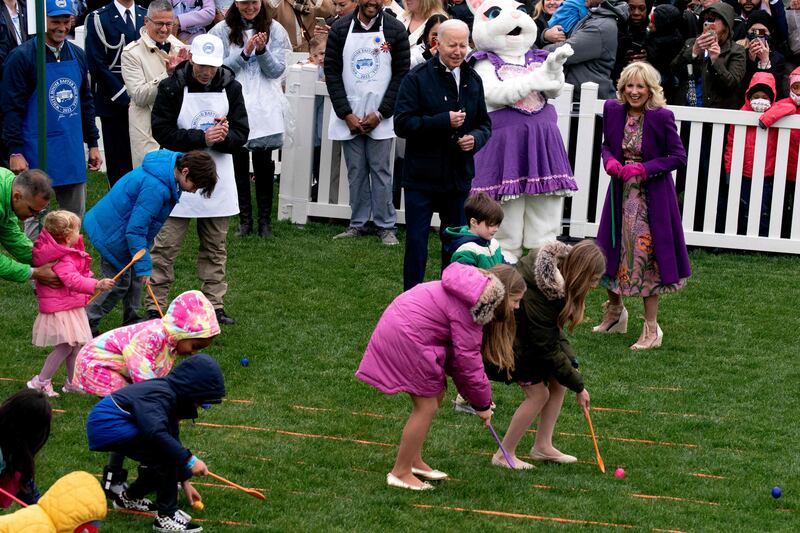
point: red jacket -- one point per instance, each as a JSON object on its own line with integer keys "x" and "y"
{"x": 780, "y": 109}
{"x": 72, "y": 268}
{"x": 761, "y": 78}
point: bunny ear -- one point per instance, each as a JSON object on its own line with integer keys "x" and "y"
{"x": 474, "y": 5}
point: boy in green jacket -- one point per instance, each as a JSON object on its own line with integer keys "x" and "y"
{"x": 475, "y": 244}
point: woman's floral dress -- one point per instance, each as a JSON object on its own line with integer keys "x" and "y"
{"x": 638, "y": 267}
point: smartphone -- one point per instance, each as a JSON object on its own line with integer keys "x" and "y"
{"x": 319, "y": 21}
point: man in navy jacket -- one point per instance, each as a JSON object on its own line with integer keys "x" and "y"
{"x": 70, "y": 112}
{"x": 441, "y": 113}
{"x": 108, "y": 30}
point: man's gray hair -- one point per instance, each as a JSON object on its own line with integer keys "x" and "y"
{"x": 34, "y": 183}
{"x": 452, "y": 25}
{"x": 159, "y": 6}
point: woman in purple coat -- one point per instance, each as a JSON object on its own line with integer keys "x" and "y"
{"x": 438, "y": 329}
{"x": 640, "y": 229}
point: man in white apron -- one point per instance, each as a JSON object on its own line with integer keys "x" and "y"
{"x": 199, "y": 107}
{"x": 366, "y": 58}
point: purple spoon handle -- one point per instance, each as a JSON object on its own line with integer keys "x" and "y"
{"x": 509, "y": 461}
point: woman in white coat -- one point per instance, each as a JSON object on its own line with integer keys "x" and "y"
{"x": 255, "y": 49}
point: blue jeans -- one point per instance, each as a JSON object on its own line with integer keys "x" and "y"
{"x": 420, "y": 206}
{"x": 368, "y": 161}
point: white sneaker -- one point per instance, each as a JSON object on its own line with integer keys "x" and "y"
{"x": 462, "y": 406}
{"x": 43, "y": 385}
{"x": 179, "y": 521}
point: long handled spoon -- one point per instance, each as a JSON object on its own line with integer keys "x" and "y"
{"x": 2, "y": 491}
{"x": 153, "y": 296}
{"x": 250, "y": 492}
{"x": 600, "y": 463}
{"x": 509, "y": 460}
{"x": 138, "y": 255}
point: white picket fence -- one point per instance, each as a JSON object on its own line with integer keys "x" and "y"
{"x": 582, "y": 216}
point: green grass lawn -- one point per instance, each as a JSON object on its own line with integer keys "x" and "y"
{"x": 704, "y": 426}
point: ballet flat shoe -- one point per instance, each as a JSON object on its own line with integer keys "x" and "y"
{"x": 563, "y": 459}
{"x": 518, "y": 464}
{"x": 430, "y": 475}
{"x": 394, "y": 481}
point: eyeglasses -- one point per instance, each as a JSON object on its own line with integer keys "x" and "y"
{"x": 710, "y": 19}
{"x": 759, "y": 32}
{"x": 161, "y": 24}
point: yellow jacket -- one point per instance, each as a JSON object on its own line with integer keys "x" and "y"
{"x": 73, "y": 500}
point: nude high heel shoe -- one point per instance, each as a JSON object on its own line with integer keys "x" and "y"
{"x": 652, "y": 337}
{"x": 615, "y": 319}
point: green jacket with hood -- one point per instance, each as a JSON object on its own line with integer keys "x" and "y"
{"x": 541, "y": 350}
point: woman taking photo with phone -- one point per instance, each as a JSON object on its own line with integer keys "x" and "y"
{"x": 711, "y": 66}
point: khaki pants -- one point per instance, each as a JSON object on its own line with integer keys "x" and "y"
{"x": 211, "y": 259}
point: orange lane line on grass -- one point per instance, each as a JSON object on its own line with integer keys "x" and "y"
{"x": 709, "y": 476}
{"x": 672, "y": 498}
{"x": 11, "y": 379}
{"x": 238, "y": 401}
{"x": 666, "y": 530}
{"x": 327, "y": 410}
{"x": 622, "y": 439}
{"x": 296, "y": 434}
{"x": 637, "y": 411}
{"x": 194, "y": 519}
{"x": 525, "y": 516}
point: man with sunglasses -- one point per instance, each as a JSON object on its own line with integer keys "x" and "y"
{"x": 144, "y": 64}
{"x": 21, "y": 198}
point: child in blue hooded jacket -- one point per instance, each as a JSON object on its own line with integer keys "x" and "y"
{"x": 130, "y": 215}
{"x": 141, "y": 421}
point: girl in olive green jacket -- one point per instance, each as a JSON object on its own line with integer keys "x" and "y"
{"x": 558, "y": 277}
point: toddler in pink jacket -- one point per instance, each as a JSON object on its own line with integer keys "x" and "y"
{"x": 438, "y": 329}
{"x": 148, "y": 349}
{"x": 62, "y": 320}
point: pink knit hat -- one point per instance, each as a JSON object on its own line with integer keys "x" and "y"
{"x": 794, "y": 77}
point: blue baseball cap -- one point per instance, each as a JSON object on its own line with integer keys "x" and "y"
{"x": 56, "y": 8}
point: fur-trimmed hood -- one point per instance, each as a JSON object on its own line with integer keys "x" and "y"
{"x": 483, "y": 292}
{"x": 540, "y": 268}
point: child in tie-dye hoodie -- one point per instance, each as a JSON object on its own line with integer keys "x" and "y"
{"x": 148, "y": 349}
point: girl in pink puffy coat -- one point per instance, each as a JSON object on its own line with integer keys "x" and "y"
{"x": 438, "y": 329}
{"x": 62, "y": 320}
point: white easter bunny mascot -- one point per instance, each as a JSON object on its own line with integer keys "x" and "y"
{"x": 524, "y": 165}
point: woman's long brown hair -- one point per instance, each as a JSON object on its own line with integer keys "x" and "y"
{"x": 498, "y": 335}
{"x": 236, "y": 23}
{"x": 584, "y": 263}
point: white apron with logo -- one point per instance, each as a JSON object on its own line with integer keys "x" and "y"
{"x": 198, "y": 112}
{"x": 366, "y": 73}
{"x": 263, "y": 97}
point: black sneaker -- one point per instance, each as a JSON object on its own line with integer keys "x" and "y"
{"x": 121, "y": 501}
{"x": 179, "y": 521}
{"x": 224, "y": 319}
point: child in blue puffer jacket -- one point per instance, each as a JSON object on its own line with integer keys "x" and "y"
{"x": 128, "y": 218}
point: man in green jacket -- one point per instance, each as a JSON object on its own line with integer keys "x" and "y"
{"x": 22, "y": 197}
